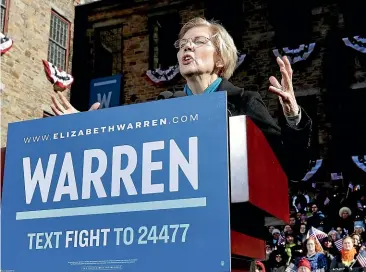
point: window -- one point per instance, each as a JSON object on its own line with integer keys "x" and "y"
{"x": 297, "y": 32}
{"x": 58, "y": 48}
{"x": 4, "y": 14}
{"x": 107, "y": 53}
{"x": 163, "y": 31}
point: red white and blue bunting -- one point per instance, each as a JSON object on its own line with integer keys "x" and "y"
{"x": 357, "y": 42}
{"x": 295, "y": 54}
{"x": 315, "y": 167}
{"x": 60, "y": 79}
{"x": 159, "y": 76}
{"x": 360, "y": 161}
{"x": 5, "y": 43}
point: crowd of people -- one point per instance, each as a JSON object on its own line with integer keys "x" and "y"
{"x": 326, "y": 232}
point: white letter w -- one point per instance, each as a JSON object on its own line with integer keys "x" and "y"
{"x": 30, "y": 182}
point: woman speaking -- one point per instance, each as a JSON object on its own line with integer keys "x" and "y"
{"x": 207, "y": 57}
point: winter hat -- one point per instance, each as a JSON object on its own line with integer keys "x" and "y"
{"x": 360, "y": 224}
{"x": 305, "y": 263}
{"x": 343, "y": 210}
{"x": 276, "y": 231}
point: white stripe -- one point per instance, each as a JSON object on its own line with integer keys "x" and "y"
{"x": 107, "y": 82}
{"x": 117, "y": 208}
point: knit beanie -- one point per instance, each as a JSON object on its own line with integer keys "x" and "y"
{"x": 305, "y": 263}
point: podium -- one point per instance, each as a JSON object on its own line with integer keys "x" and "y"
{"x": 259, "y": 189}
{"x": 196, "y": 186}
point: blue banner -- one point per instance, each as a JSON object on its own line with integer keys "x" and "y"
{"x": 106, "y": 91}
{"x": 134, "y": 188}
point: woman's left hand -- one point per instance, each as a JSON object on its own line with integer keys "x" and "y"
{"x": 285, "y": 90}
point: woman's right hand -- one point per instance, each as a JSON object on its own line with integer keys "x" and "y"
{"x": 65, "y": 107}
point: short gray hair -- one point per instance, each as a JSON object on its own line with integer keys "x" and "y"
{"x": 223, "y": 42}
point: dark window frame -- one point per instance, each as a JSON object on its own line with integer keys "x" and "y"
{"x": 97, "y": 38}
{"x": 6, "y": 16}
{"x": 152, "y": 21}
{"x": 67, "y": 47}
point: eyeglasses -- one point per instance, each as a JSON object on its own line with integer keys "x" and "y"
{"x": 197, "y": 41}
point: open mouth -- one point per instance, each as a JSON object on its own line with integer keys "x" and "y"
{"x": 187, "y": 59}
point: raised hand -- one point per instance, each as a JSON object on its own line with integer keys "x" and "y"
{"x": 285, "y": 90}
{"x": 65, "y": 107}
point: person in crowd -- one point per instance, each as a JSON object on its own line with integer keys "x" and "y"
{"x": 292, "y": 249}
{"x": 304, "y": 266}
{"x": 303, "y": 219}
{"x": 341, "y": 232}
{"x": 346, "y": 261}
{"x": 313, "y": 253}
{"x": 207, "y": 58}
{"x": 287, "y": 230}
{"x": 276, "y": 233}
{"x": 269, "y": 251}
{"x": 316, "y": 218}
{"x": 334, "y": 235}
{"x": 298, "y": 217}
{"x": 293, "y": 223}
{"x": 302, "y": 233}
{"x": 329, "y": 249}
{"x": 277, "y": 261}
{"x": 346, "y": 221}
{"x": 357, "y": 242}
{"x": 359, "y": 228}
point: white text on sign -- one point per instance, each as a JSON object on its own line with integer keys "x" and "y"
{"x": 66, "y": 184}
{"x": 174, "y": 233}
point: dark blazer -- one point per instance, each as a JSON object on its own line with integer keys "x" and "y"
{"x": 288, "y": 143}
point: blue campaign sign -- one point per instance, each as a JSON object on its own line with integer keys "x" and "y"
{"x": 133, "y": 188}
{"x": 106, "y": 91}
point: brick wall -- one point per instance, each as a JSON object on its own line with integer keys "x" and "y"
{"x": 27, "y": 90}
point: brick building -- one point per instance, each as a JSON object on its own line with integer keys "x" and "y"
{"x": 41, "y": 30}
{"x": 140, "y": 35}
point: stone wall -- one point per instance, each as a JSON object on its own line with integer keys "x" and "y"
{"x": 27, "y": 91}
